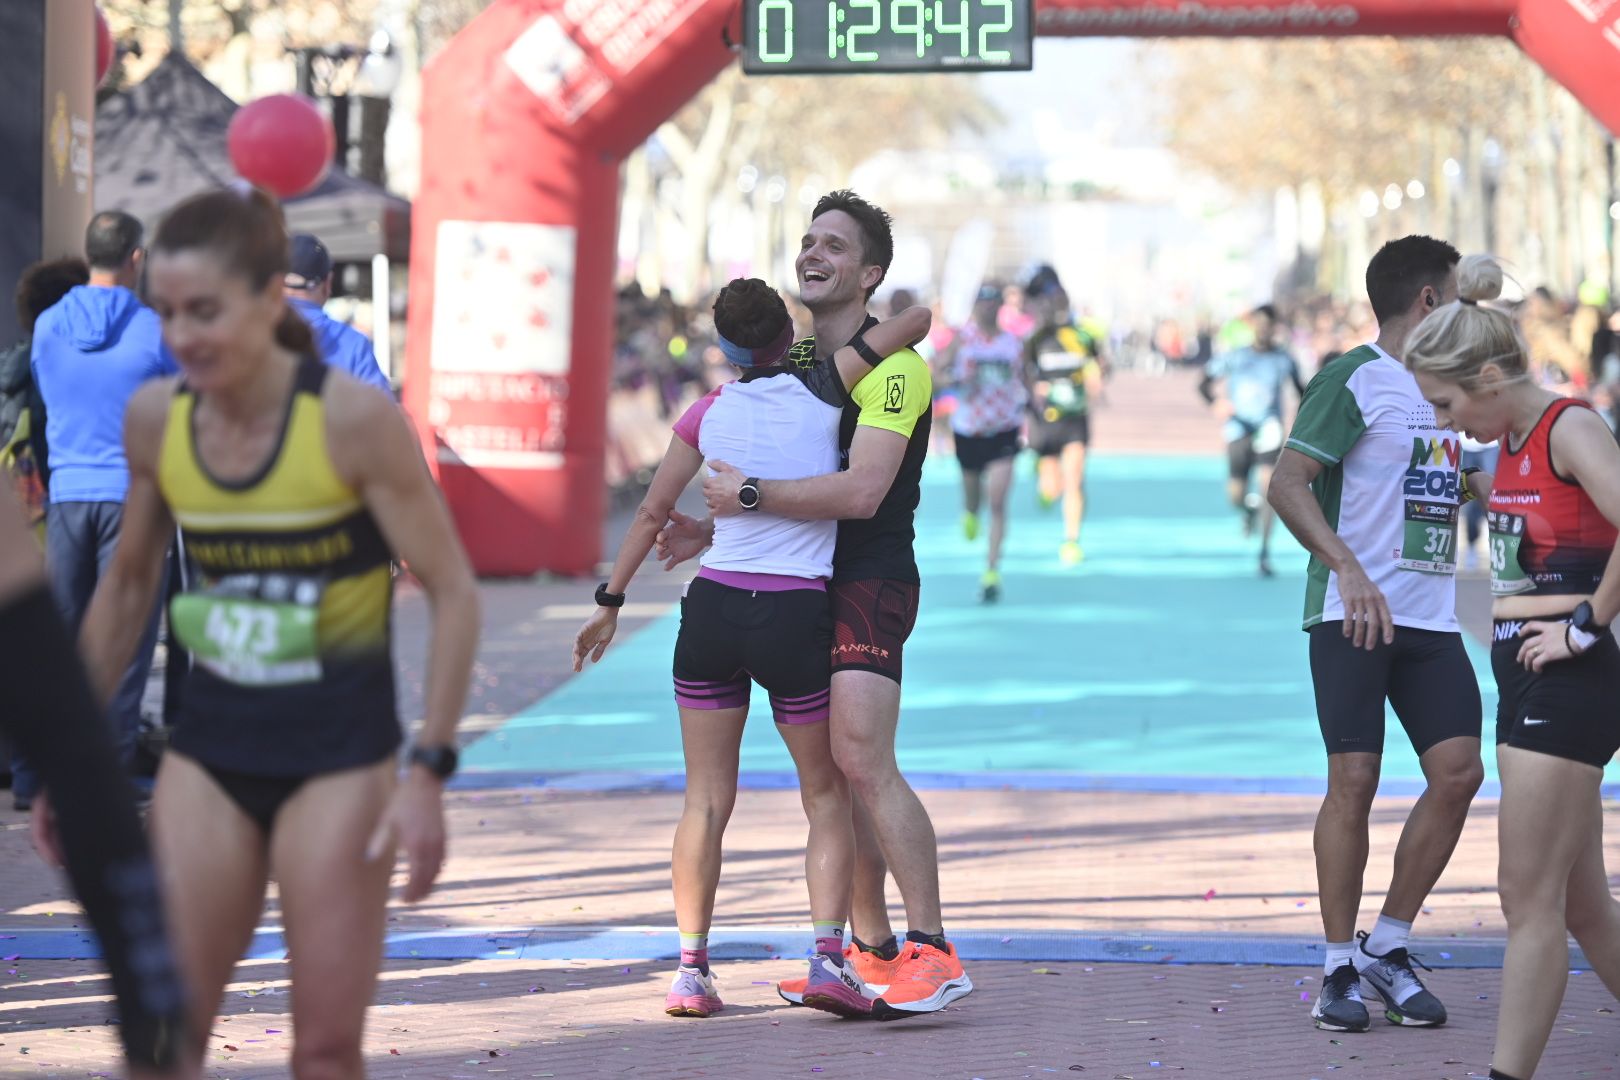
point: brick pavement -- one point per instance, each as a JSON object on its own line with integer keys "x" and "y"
{"x": 469, "y": 1019}
{"x": 1021, "y": 861}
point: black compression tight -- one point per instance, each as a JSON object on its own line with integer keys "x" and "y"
{"x": 52, "y": 718}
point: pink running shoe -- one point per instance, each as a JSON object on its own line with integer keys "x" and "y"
{"x": 692, "y": 994}
{"x": 835, "y": 987}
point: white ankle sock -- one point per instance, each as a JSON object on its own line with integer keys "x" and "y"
{"x": 1389, "y": 934}
{"x": 1339, "y": 953}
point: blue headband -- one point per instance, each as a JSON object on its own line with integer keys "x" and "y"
{"x": 764, "y": 356}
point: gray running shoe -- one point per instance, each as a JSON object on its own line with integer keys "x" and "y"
{"x": 1338, "y": 1007}
{"x": 1406, "y": 1001}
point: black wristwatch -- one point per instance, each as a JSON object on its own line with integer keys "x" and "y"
{"x": 441, "y": 761}
{"x": 748, "y": 494}
{"x": 608, "y": 599}
{"x": 1585, "y": 620}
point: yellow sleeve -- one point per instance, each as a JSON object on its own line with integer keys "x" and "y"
{"x": 895, "y": 394}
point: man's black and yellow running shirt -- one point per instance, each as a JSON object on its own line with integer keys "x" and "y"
{"x": 287, "y": 620}
{"x": 898, "y": 396}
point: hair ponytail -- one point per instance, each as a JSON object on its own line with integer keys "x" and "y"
{"x": 294, "y": 335}
{"x": 1458, "y": 341}
{"x": 749, "y": 312}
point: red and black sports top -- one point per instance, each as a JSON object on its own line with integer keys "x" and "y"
{"x": 1547, "y": 536}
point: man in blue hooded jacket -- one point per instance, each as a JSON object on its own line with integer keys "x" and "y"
{"x": 308, "y": 286}
{"x": 91, "y": 352}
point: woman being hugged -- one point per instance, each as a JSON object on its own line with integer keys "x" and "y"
{"x": 758, "y": 611}
{"x": 1555, "y": 578}
{"x": 294, "y": 487}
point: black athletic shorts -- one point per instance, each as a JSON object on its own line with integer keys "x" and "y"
{"x": 1242, "y": 457}
{"x": 1425, "y": 675}
{"x": 977, "y": 452}
{"x": 1570, "y": 710}
{"x": 1048, "y": 437}
{"x": 871, "y": 621}
{"x": 781, "y": 640}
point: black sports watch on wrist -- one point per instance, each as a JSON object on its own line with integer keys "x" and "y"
{"x": 748, "y": 494}
{"x": 1585, "y": 620}
{"x": 608, "y": 599}
{"x": 441, "y": 761}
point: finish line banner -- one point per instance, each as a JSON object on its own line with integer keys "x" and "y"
{"x": 1244, "y": 18}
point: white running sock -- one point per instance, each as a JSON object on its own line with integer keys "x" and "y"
{"x": 1389, "y": 934}
{"x": 1339, "y": 953}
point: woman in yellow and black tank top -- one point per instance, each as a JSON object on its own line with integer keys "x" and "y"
{"x": 294, "y": 487}
{"x": 287, "y": 622}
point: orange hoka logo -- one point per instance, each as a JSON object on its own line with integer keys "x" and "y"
{"x": 1436, "y": 452}
{"x": 861, "y": 647}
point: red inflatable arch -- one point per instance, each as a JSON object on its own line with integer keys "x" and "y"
{"x": 528, "y": 113}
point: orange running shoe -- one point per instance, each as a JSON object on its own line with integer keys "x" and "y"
{"x": 928, "y": 980}
{"x": 876, "y": 972}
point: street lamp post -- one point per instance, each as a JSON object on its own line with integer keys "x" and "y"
{"x": 337, "y": 72}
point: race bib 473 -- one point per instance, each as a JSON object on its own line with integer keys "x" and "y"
{"x": 253, "y": 630}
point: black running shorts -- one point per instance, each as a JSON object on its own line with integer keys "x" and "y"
{"x": 780, "y": 640}
{"x": 1242, "y": 458}
{"x": 978, "y": 452}
{"x": 1425, "y": 675}
{"x": 1048, "y": 437}
{"x": 1570, "y": 710}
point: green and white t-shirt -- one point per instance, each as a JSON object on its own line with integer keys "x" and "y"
{"x": 1389, "y": 489}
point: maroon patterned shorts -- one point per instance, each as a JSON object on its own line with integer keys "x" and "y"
{"x": 871, "y": 621}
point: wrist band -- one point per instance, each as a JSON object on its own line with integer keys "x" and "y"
{"x": 864, "y": 350}
{"x": 1578, "y": 640}
{"x": 1467, "y": 493}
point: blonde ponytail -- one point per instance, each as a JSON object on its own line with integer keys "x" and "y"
{"x": 1456, "y": 342}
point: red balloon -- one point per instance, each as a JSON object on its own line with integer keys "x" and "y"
{"x": 104, "y": 48}
{"x": 282, "y": 143}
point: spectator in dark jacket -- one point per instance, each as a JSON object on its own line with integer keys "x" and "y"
{"x": 22, "y": 413}
{"x": 38, "y": 290}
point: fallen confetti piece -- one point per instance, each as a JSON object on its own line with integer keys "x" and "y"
{"x": 1304, "y": 995}
{"x": 1210, "y": 895}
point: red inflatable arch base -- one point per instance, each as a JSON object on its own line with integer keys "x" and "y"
{"x": 528, "y": 113}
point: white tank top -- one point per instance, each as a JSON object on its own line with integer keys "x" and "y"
{"x": 781, "y": 427}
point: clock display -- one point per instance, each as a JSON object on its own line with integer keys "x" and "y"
{"x": 851, "y": 36}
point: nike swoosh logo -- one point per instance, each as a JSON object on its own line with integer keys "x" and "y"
{"x": 1528, "y": 721}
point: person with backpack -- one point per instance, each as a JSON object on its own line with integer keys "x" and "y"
{"x": 22, "y": 414}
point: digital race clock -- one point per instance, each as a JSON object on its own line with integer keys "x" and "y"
{"x": 811, "y": 37}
